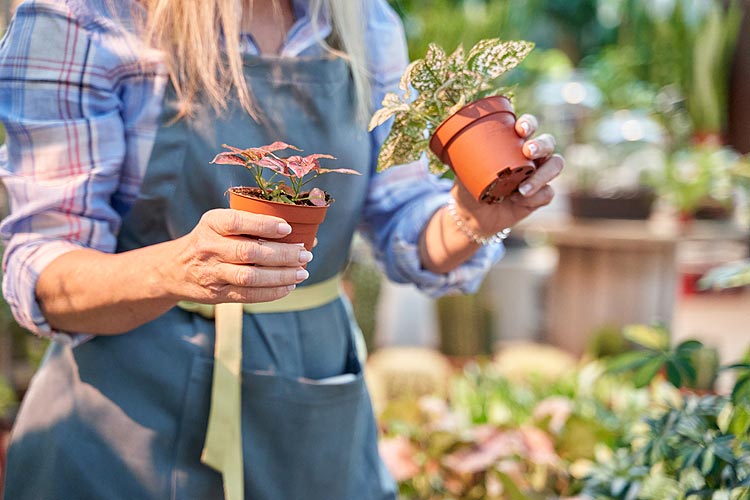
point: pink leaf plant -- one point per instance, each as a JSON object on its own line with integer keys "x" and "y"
{"x": 298, "y": 170}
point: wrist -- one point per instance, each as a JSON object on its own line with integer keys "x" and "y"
{"x": 470, "y": 229}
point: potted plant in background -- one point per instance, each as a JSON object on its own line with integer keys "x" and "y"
{"x": 303, "y": 210}
{"x": 695, "y": 177}
{"x": 459, "y": 118}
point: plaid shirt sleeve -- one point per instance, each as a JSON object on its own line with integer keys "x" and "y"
{"x": 402, "y": 199}
{"x": 73, "y": 145}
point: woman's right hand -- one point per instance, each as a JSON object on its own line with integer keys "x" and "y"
{"x": 230, "y": 257}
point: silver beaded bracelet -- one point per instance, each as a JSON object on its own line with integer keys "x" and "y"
{"x": 464, "y": 228}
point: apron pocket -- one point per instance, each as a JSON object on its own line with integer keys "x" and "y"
{"x": 299, "y": 436}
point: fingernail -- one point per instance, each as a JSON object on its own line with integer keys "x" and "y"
{"x": 284, "y": 228}
{"x": 305, "y": 257}
{"x": 302, "y": 275}
{"x": 526, "y": 128}
{"x": 291, "y": 287}
{"x": 525, "y": 188}
{"x": 533, "y": 148}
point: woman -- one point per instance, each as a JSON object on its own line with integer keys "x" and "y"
{"x": 113, "y": 110}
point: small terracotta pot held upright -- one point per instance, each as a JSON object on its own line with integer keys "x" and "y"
{"x": 304, "y": 219}
{"x": 480, "y": 144}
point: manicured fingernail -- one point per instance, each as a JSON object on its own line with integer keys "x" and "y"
{"x": 533, "y": 148}
{"x": 291, "y": 287}
{"x": 284, "y": 228}
{"x": 302, "y": 274}
{"x": 525, "y": 188}
{"x": 526, "y": 128}
{"x": 305, "y": 257}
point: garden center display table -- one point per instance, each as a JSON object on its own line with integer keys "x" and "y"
{"x": 615, "y": 272}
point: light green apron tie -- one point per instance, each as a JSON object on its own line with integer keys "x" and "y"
{"x": 222, "y": 449}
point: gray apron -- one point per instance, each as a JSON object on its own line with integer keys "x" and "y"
{"x": 124, "y": 417}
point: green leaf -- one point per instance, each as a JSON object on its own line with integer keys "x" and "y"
{"x": 651, "y": 337}
{"x": 437, "y": 167}
{"x": 686, "y": 368}
{"x": 391, "y": 104}
{"x": 400, "y": 147}
{"x": 673, "y": 373}
{"x": 737, "y": 366}
{"x": 456, "y": 59}
{"x": 632, "y": 360}
{"x": 708, "y": 462}
{"x": 646, "y": 373}
{"x": 436, "y": 62}
{"x": 422, "y": 78}
{"x": 493, "y": 57}
{"x": 741, "y": 392}
{"x": 689, "y": 346}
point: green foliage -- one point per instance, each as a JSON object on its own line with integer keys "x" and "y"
{"x": 690, "y": 45}
{"x": 509, "y": 439}
{"x": 682, "y": 452}
{"x": 573, "y": 25}
{"x": 678, "y": 363}
{"x": 443, "y": 84}
{"x": 587, "y": 432}
{"x": 741, "y": 391}
{"x": 452, "y": 23}
{"x": 614, "y": 71}
{"x": 8, "y": 399}
{"x": 695, "y": 174}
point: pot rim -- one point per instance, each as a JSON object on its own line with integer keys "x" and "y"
{"x": 234, "y": 190}
{"x": 296, "y": 214}
{"x": 458, "y": 121}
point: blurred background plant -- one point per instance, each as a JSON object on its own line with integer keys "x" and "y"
{"x": 586, "y": 431}
{"x": 700, "y": 176}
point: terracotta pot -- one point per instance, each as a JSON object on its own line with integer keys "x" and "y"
{"x": 480, "y": 144}
{"x": 304, "y": 219}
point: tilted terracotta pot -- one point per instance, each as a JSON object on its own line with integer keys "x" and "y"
{"x": 480, "y": 144}
{"x": 304, "y": 219}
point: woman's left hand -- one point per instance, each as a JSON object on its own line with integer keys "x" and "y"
{"x": 534, "y": 193}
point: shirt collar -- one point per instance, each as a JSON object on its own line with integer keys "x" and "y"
{"x": 306, "y": 31}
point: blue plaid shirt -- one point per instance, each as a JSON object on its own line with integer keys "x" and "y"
{"x": 80, "y": 109}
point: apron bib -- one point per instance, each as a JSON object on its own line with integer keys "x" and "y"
{"x": 125, "y": 416}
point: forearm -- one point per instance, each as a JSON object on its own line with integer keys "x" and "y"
{"x": 451, "y": 239}
{"x": 227, "y": 257}
{"x": 442, "y": 246}
{"x": 87, "y": 291}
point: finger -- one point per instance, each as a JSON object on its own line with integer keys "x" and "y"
{"x": 258, "y": 276}
{"x": 242, "y": 250}
{"x": 526, "y": 125}
{"x": 546, "y": 172}
{"x": 539, "y": 199}
{"x": 539, "y": 147}
{"x": 226, "y": 221}
{"x": 254, "y": 295}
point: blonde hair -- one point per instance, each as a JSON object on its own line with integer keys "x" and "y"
{"x": 205, "y": 70}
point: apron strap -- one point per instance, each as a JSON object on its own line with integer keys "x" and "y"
{"x": 222, "y": 449}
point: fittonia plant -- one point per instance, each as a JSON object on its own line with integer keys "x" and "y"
{"x": 298, "y": 170}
